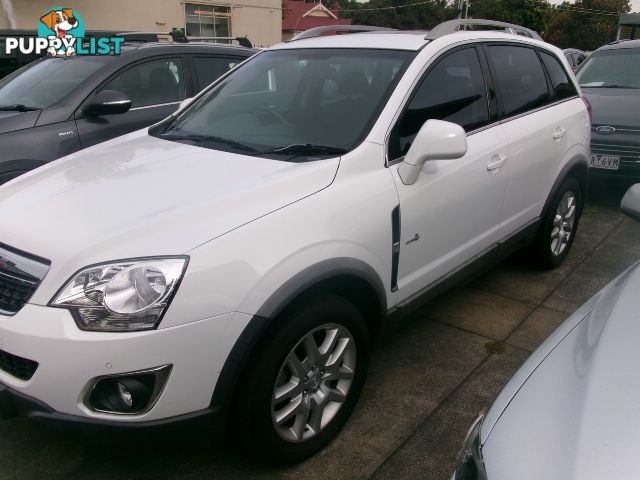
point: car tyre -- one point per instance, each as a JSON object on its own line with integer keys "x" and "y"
{"x": 559, "y": 225}
{"x": 304, "y": 379}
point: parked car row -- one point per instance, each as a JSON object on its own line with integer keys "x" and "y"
{"x": 236, "y": 261}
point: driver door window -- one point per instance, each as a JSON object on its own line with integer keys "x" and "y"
{"x": 453, "y": 91}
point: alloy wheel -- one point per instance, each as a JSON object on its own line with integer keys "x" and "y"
{"x": 563, "y": 223}
{"x": 313, "y": 382}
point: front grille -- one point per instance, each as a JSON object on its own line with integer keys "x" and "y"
{"x": 14, "y": 293}
{"x": 629, "y": 155}
{"x": 18, "y": 367}
{"x": 20, "y": 276}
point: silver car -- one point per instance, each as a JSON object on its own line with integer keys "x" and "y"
{"x": 572, "y": 411}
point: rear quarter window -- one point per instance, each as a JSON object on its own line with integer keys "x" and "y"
{"x": 562, "y": 86}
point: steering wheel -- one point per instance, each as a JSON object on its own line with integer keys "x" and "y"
{"x": 274, "y": 113}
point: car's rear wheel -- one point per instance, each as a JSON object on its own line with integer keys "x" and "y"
{"x": 305, "y": 380}
{"x": 559, "y": 226}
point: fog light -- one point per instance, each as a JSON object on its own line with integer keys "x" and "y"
{"x": 125, "y": 395}
{"x": 128, "y": 393}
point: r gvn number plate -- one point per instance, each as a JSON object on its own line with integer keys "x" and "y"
{"x": 608, "y": 162}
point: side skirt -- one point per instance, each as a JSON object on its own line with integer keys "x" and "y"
{"x": 464, "y": 274}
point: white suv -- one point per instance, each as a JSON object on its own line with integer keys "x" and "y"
{"x": 235, "y": 262}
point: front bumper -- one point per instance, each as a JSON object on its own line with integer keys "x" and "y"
{"x": 70, "y": 359}
{"x": 628, "y": 151}
{"x": 14, "y": 404}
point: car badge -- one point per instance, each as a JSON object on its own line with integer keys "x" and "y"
{"x": 605, "y": 130}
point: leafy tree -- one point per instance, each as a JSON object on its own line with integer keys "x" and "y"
{"x": 586, "y": 24}
{"x": 415, "y": 17}
{"x": 533, "y": 14}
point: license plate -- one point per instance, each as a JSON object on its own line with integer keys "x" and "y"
{"x": 608, "y": 162}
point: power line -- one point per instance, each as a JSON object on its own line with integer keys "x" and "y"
{"x": 554, "y": 7}
{"x": 375, "y": 9}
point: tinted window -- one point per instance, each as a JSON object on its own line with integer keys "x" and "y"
{"x": 48, "y": 81}
{"x": 453, "y": 90}
{"x": 562, "y": 86}
{"x": 209, "y": 69}
{"x": 304, "y": 97}
{"x": 520, "y": 78}
{"x": 151, "y": 83}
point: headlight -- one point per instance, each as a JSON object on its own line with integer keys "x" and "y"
{"x": 470, "y": 465}
{"x": 122, "y": 296}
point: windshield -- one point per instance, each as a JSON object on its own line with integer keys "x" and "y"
{"x": 291, "y": 104}
{"x": 619, "y": 68}
{"x": 48, "y": 81}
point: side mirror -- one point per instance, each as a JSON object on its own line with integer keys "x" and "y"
{"x": 108, "y": 102}
{"x": 631, "y": 202}
{"x": 185, "y": 103}
{"x": 436, "y": 140}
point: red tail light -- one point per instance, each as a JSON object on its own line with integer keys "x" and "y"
{"x": 589, "y": 109}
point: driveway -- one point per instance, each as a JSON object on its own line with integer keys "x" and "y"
{"x": 427, "y": 381}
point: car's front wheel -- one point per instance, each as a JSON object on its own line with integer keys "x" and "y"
{"x": 305, "y": 379}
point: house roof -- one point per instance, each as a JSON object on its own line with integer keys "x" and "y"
{"x": 297, "y": 16}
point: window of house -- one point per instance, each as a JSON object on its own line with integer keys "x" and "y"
{"x": 453, "y": 90}
{"x": 520, "y": 78}
{"x": 207, "y": 20}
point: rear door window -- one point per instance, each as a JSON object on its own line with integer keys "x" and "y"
{"x": 209, "y": 69}
{"x": 518, "y": 73}
{"x": 151, "y": 83}
{"x": 562, "y": 86}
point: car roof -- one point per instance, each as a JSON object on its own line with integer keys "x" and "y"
{"x": 620, "y": 44}
{"x": 398, "y": 40}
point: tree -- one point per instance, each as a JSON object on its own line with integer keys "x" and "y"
{"x": 586, "y": 24}
{"x": 414, "y": 17}
{"x": 533, "y": 14}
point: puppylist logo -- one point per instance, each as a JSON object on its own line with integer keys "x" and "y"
{"x": 61, "y": 33}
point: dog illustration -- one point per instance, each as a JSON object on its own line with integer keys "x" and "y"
{"x": 60, "y": 21}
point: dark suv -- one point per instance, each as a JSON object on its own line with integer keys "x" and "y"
{"x": 56, "y": 106}
{"x": 610, "y": 80}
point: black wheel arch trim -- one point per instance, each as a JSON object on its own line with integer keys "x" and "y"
{"x": 577, "y": 161}
{"x": 231, "y": 373}
{"x": 322, "y": 271}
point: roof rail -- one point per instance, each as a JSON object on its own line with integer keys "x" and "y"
{"x": 242, "y": 41}
{"x": 318, "y": 31}
{"x": 452, "y": 26}
{"x": 178, "y": 36}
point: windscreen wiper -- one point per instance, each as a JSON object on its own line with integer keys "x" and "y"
{"x": 305, "y": 149}
{"x": 18, "y": 107}
{"x": 208, "y": 138}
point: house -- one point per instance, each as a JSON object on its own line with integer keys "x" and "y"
{"x": 629, "y": 26}
{"x": 301, "y": 15}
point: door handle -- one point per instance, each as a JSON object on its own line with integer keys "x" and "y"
{"x": 496, "y": 162}
{"x": 559, "y": 133}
